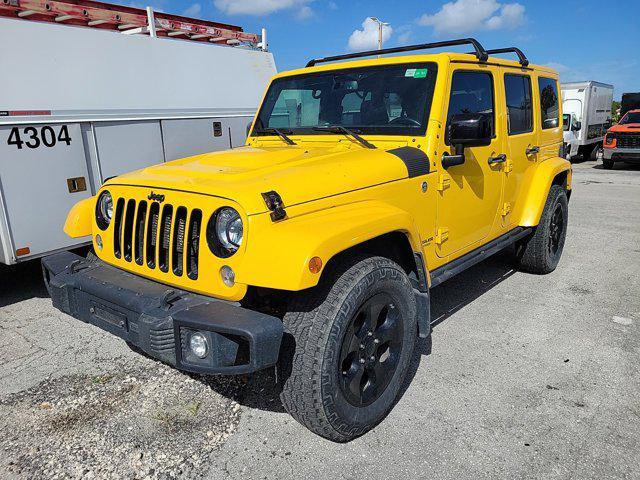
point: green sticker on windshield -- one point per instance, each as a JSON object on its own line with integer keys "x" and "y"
{"x": 420, "y": 73}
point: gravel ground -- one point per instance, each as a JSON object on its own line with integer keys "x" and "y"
{"x": 152, "y": 420}
{"x": 524, "y": 377}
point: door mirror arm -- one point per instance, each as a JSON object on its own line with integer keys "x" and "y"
{"x": 453, "y": 160}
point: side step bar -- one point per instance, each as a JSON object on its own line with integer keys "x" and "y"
{"x": 458, "y": 265}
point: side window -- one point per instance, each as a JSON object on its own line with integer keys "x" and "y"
{"x": 472, "y": 92}
{"x": 548, "y": 102}
{"x": 519, "y": 108}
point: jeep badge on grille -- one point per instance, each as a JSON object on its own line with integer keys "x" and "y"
{"x": 158, "y": 197}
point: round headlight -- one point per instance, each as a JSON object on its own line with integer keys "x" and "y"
{"x": 104, "y": 210}
{"x": 225, "y": 232}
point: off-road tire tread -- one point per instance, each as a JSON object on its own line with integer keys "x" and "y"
{"x": 307, "y": 322}
{"x": 533, "y": 255}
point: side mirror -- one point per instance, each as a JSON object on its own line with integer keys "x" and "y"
{"x": 469, "y": 130}
{"x": 575, "y": 126}
{"x": 466, "y": 130}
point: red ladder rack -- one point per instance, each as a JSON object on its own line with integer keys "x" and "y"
{"x": 128, "y": 20}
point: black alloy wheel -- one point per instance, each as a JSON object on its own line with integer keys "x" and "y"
{"x": 556, "y": 229}
{"x": 370, "y": 350}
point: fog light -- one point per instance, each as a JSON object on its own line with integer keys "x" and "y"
{"x": 99, "y": 242}
{"x": 228, "y": 276}
{"x": 198, "y": 345}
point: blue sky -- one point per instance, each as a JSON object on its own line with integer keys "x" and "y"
{"x": 582, "y": 39}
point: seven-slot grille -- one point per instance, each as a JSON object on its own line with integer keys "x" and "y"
{"x": 628, "y": 140}
{"x": 158, "y": 236}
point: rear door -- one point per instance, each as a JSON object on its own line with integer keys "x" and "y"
{"x": 521, "y": 137}
{"x": 43, "y": 173}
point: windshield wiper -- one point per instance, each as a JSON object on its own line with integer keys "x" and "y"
{"x": 346, "y": 131}
{"x": 278, "y": 132}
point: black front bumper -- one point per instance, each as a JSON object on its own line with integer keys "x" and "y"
{"x": 160, "y": 320}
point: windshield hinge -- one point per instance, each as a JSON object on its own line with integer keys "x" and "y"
{"x": 275, "y": 204}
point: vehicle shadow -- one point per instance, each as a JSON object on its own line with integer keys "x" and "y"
{"x": 21, "y": 282}
{"x": 261, "y": 390}
{"x": 620, "y": 166}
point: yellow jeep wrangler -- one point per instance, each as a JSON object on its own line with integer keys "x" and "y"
{"x": 362, "y": 185}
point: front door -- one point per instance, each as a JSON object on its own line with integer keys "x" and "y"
{"x": 470, "y": 193}
{"x": 521, "y": 139}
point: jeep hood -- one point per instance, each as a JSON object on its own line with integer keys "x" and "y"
{"x": 297, "y": 173}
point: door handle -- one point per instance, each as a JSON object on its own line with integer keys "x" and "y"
{"x": 498, "y": 159}
{"x": 532, "y": 150}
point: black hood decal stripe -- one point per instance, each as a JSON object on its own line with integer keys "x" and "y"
{"x": 416, "y": 161}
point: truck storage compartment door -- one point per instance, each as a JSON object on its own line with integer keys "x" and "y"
{"x": 193, "y": 136}
{"x": 127, "y": 146}
{"x": 43, "y": 173}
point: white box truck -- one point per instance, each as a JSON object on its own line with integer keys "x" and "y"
{"x": 126, "y": 90}
{"x": 586, "y": 108}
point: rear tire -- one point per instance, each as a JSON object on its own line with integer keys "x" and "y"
{"x": 348, "y": 344}
{"x": 541, "y": 252}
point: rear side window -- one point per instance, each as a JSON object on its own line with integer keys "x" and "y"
{"x": 471, "y": 92}
{"x": 519, "y": 107}
{"x": 548, "y": 102}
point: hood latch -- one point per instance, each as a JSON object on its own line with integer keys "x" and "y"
{"x": 275, "y": 204}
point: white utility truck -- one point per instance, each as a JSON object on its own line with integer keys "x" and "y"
{"x": 90, "y": 90}
{"x": 586, "y": 108}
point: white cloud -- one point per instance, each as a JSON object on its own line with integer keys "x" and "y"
{"x": 193, "y": 11}
{"x": 262, "y": 7}
{"x": 367, "y": 38}
{"x": 405, "y": 34}
{"x": 332, "y": 6}
{"x": 464, "y": 16}
{"x": 304, "y": 13}
{"x": 559, "y": 67}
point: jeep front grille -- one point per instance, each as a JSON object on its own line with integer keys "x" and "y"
{"x": 158, "y": 236}
{"x": 628, "y": 140}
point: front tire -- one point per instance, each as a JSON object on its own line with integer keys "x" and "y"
{"x": 541, "y": 252}
{"x": 607, "y": 164}
{"x": 348, "y": 344}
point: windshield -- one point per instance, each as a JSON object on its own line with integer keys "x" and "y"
{"x": 387, "y": 100}
{"x": 566, "y": 121}
{"x": 631, "y": 117}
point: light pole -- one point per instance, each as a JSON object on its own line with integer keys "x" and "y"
{"x": 380, "y": 25}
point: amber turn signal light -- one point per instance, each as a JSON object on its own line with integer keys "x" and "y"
{"x": 23, "y": 251}
{"x": 315, "y": 265}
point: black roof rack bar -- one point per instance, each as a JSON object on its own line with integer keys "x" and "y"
{"x": 480, "y": 52}
{"x": 524, "y": 61}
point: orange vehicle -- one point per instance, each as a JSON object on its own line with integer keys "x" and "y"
{"x": 622, "y": 141}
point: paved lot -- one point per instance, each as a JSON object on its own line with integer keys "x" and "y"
{"x": 524, "y": 377}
